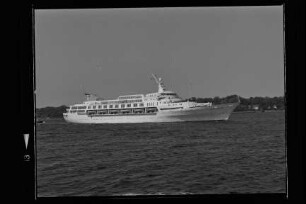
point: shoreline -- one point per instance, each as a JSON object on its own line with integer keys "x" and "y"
{"x": 258, "y": 111}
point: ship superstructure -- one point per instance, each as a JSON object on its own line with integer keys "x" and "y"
{"x": 161, "y": 106}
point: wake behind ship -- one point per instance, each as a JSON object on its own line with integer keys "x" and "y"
{"x": 161, "y": 106}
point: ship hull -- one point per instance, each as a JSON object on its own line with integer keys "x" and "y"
{"x": 212, "y": 113}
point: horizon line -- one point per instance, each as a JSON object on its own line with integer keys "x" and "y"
{"x": 48, "y": 106}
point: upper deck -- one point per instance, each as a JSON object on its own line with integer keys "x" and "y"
{"x": 157, "y": 99}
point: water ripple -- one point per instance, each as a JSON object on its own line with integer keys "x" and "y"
{"x": 243, "y": 155}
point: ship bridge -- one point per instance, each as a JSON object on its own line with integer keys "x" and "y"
{"x": 169, "y": 95}
{"x": 164, "y": 96}
{"x": 162, "y": 93}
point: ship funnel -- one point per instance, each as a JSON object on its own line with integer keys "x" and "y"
{"x": 161, "y": 86}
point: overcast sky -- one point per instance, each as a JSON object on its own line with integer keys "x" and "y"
{"x": 201, "y": 52}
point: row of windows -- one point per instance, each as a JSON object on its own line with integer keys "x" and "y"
{"x": 151, "y": 95}
{"x": 77, "y": 111}
{"x": 169, "y": 94}
{"x": 136, "y": 110}
{"x": 129, "y": 97}
{"x": 150, "y": 104}
{"x": 78, "y": 107}
{"x": 156, "y": 103}
{"x": 121, "y": 101}
{"x": 116, "y": 106}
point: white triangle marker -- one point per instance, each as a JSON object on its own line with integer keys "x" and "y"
{"x": 26, "y": 139}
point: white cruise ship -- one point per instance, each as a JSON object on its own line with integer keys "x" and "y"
{"x": 161, "y": 106}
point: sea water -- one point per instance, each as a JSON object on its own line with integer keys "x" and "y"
{"x": 245, "y": 154}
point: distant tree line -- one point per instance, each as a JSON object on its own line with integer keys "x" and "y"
{"x": 246, "y": 104}
{"x": 216, "y": 100}
{"x": 50, "y": 112}
{"x": 262, "y": 103}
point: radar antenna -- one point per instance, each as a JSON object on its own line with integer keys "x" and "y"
{"x": 161, "y": 86}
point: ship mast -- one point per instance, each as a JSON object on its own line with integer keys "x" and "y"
{"x": 161, "y": 86}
